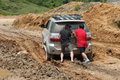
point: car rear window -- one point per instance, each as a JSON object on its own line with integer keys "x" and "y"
{"x": 57, "y": 27}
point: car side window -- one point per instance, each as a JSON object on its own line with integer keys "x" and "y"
{"x": 47, "y": 25}
{"x": 52, "y": 27}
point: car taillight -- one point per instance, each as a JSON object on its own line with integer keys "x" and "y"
{"x": 89, "y": 38}
{"x": 55, "y": 38}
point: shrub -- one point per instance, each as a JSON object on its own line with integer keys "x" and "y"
{"x": 118, "y": 23}
{"x": 77, "y": 7}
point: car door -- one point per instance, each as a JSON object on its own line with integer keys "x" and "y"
{"x": 46, "y": 33}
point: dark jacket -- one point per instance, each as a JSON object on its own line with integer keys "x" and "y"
{"x": 65, "y": 36}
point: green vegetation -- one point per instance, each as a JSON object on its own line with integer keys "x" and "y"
{"x": 16, "y": 7}
{"x": 118, "y": 23}
{"x": 77, "y": 7}
{"x": 56, "y": 3}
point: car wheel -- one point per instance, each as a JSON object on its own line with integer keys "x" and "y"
{"x": 48, "y": 57}
{"x": 42, "y": 42}
{"x": 90, "y": 56}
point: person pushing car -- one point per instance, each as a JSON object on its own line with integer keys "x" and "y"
{"x": 65, "y": 35}
{"x": 80, "y": 35}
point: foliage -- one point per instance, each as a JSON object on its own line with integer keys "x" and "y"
{"x": 56, "y": 3}
{"x": 118, "y": 23}
{"x": 77, "y": 8}
{"x": 13, "y": 7}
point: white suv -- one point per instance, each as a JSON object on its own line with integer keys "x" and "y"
{"x": 51, "y": 36}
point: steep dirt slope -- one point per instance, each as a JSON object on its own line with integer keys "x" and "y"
{"x": 102, "y": 22}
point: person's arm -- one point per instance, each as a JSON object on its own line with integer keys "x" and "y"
{"x": 85, "y": 36}
{"x": 75, "y": 34}
{"x": 69, "y": 34}
{"x": 60, "y": 33}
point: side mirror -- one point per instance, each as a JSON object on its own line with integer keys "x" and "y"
{"x": 42, "y": 26}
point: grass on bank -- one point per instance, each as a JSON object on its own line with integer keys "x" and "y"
{"x": 12, "y": 7}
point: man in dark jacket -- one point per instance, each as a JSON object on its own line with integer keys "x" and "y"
{"x": 65, "y": 35}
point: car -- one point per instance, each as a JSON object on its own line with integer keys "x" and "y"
{"x": 51, "y": 37}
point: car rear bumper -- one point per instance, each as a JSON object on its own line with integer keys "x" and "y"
{"x": 56, "y": 51}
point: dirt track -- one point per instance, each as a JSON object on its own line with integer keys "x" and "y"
{"x": 19, "y": 48}
{"x": 101, "y": 19}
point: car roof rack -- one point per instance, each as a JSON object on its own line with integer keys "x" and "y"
{"x": 67, "y": 17}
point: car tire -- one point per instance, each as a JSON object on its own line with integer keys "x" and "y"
{"x": 42, "y": 42}
{"x": 90, "y": 56}
{"x": 42, "y": 45}
{"x": 48, "y": 56}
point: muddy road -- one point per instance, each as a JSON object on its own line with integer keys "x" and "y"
{"x": 22, "y": 58}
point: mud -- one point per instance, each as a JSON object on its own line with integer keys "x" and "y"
{"x": 101, "y": 20}
{"x": 21, "y": 53}
{"x": 24, "y": 66}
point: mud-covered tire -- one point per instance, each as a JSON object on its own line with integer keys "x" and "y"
{"x": 42, "y": 43}
{"x": 48, "y": 56}
{"x": 90, "y": 56}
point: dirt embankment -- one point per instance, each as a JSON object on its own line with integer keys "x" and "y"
{"x": 33, "y": 21}
{"x": 102, "y": 22}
